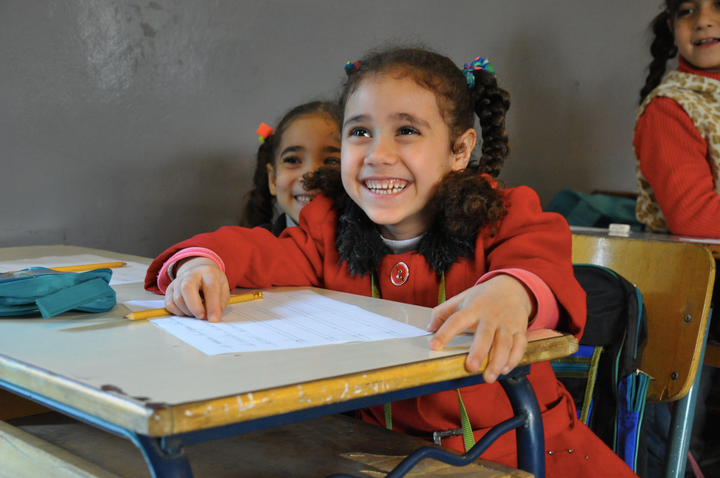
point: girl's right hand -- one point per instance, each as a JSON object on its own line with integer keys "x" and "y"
{"x": 200, "y": 289}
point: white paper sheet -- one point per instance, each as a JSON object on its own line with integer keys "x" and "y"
{"x": 131, "y": 272}
{"x": 281, "y": 320}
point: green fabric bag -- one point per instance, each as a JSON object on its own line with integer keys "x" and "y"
{"x": 594, "y": 210}
{"x": 50, "y": 292}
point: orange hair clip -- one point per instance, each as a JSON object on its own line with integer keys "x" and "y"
{"x": 264, "y": 131}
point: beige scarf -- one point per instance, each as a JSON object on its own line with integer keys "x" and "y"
{"x": 699, "y": 96}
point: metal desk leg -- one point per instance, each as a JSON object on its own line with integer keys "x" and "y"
{"x": 530, "y": 437}
{"x": 165, "y": 458}
{"x": 681, "y": 422}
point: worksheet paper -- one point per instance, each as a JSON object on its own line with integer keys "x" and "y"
{"x": 130, "y": 272}
{"x": 281, "y": 320}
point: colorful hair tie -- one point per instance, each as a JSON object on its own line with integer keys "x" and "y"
{"x": 264, "y": 131}
{"x": 490, "y": 180}
{"x": 477, "y": 64}
{"x": 351, "y": 67}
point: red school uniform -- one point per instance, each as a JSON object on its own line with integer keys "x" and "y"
{"x": 526, "y": 238}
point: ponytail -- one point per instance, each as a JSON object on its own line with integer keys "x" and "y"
{"x": 491, "y": 104}
{"x": 662, "y": 49}
{"x": 258, "y": 208}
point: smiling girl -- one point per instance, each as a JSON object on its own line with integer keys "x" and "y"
{"x": 305, "y": 139}
{"x": 677, "y": 137}
{"x": 414, "y": 217}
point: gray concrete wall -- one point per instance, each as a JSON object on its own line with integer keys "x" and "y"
{"x": 131, "y": 125}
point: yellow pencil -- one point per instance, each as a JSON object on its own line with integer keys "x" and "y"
{"x": 87, "y": 267}
{"x": 152, "y": 313}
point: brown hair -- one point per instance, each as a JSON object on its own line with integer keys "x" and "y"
{"x": 259, "y": 207}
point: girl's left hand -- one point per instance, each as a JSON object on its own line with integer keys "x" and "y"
{"x": 497, "y": 311}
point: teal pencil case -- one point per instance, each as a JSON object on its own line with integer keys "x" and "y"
{"x": 50, "y": 292}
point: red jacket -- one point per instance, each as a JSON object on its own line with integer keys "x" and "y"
{"x": 527, "y": 238}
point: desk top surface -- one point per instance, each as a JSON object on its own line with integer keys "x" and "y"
{"x": 136, "y": 375}
{"x": 712, "y": 244}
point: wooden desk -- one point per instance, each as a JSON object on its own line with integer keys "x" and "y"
{"x": 135, "y": 380}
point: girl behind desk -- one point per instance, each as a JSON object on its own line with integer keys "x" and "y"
{"x": 677, "y": 144}
{"x": 413, "y": 217}
{"x": 305, "y": 139}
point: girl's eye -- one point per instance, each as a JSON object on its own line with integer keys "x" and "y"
{"x": 685, "y": 10}
{"x": 291, "y": 160}
{"x": 359, "y": 132}
{"x": 408, "y": 130}
{"x": 332, "y": 161}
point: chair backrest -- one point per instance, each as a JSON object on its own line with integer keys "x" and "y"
{"x": 676, "y": 281}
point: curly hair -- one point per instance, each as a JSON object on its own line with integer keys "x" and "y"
{"x": 464, "y": 201}
{"x": 260, "y": 204}
{"x": 663, "y": 46}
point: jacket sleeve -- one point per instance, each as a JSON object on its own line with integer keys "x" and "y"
{"x": 539, "y": 242}
{"x": 255, "y": 258}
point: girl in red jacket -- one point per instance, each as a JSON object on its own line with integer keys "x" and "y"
{"x": 413, "y": 217}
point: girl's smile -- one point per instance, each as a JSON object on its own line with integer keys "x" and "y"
{"x": 396, "y": 147}
{"x": 696, "y": 28}
{"x": 387, "y": 186}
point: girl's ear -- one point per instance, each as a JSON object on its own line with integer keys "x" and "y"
{"x": 271, "y": 179}
{"x": 463, "y": 149}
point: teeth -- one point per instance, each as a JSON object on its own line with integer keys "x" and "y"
{"x": 387, "y": 186}
{"x": 304, "y": 198}
{"x": 707, "y": 40}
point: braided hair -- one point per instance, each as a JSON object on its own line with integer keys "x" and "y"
{"x": 663, "y": 46}
{"x": 464, "y": 202}
{"x": 260, "y": 204}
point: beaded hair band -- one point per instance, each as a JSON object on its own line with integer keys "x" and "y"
{"x": 477, "y": 64}
{"x": 351, "y": 67}
{"x": 264, "y": 131}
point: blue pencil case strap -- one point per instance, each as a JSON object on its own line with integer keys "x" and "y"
{"x": 51, "y": 293}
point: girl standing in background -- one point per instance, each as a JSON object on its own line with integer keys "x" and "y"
{"x": 677, "y": 144}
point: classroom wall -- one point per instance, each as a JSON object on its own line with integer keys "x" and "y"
{"x": 129, "y": 126}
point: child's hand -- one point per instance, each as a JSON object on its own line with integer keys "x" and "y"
{"x": 497, "y": 311}
{"x": 198, "y": 279}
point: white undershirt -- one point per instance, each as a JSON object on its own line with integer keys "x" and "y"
{"x": 401, "y": 247}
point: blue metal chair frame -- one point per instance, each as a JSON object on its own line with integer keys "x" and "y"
{"x": 166, "y": 459}
{"x": 682, "y": 420}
